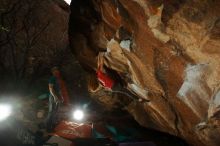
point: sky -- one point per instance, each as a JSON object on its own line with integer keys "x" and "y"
{"x": 67, "y": 1}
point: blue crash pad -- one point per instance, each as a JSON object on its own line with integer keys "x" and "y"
{"x": 137, "y": 144}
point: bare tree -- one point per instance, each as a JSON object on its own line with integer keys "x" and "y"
{"x": 19, "y": 33}
{"x": 32, "y": 39}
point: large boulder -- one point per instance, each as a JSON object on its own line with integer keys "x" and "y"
{"x": 167, "y": 51}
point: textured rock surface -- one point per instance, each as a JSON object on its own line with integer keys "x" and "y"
{"x": 168, "y": 51}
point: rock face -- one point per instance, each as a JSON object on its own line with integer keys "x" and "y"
{"x": 166, "y": 51}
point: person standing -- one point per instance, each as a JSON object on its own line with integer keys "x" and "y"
{"x": 58, "y": 94}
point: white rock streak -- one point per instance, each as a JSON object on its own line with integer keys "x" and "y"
{"x": 194, "y": 91}
{"x": 125, "y": 44}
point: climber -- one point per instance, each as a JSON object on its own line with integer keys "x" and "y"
{"x": 108, "y": 83}
{"x": 58, "y": 96}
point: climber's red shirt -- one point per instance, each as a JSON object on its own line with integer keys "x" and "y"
{"x": 104, "y": 79}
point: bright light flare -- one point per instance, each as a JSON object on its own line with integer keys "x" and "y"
{"x": 5, "y": 111}
{"x": 78, "y": 115}
{"x": 68, "y": 1}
